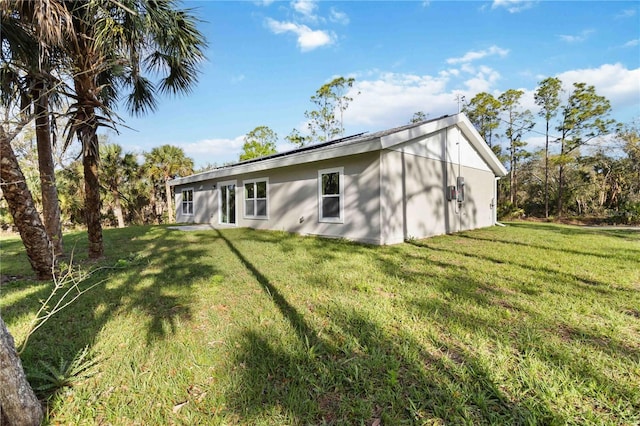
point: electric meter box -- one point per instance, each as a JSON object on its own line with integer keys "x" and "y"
{"x": 460, "y": 188}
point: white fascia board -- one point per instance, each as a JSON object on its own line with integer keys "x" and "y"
{"x": 287, "y": 160}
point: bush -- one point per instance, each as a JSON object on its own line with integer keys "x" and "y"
{"x": 509, "y": 211}
{"x": 629, "y": 214}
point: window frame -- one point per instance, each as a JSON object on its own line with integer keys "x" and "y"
{"x": 321, "y": 196}
{"x": 183, "y": 202}
{"x": 255, "y": 199}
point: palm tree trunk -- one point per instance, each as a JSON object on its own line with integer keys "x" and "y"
{"x": 92, "y": 202}
{"x": 117, "y": 207}
{"x": 90, "y": 159}
{"x": 50, "y": 206}
{"x": 18, "y": 403}
{"x": 25, "y": 216}
{"x": 167, "y": 190}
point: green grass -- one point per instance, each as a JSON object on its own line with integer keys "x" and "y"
{"x": 528, "y": 324}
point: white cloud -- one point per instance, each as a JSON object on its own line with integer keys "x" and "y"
{"x": 627, "y": 13}
{"x": 632, "y": 43}
{"x": 306, "y": 8}
{"x": 237, "y": 78}
{"x": 213, "y": 151}
{"x": 308, "y": 39}
{"x": 338, "y": 17}
{"x": 390, "y": 99}
{"x": 513, "y": 6}
{"x": 482, "y": 80}
{"x": 577, "y": 38}
{"x": 475, "y": 55}
{"x": 613, "y": 81}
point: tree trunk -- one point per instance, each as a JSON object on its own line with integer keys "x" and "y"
{"x": 92, "y": 203}
{"x": 512, "y": 175}
{"x": 561, "y": 178}
{"x": 117, "y": 207}
{"x": 18, "y": 403}
{"x": 24, "y": 214}
{"x": 560, "y": 189}
{"x": 50, "y": 206}
{"x": 546, "y": 174}
{"x": 167, "y": 190}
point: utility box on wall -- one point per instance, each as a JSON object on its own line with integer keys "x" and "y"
{"x": 460, "y": 188}
{"x": 452, "y": 193}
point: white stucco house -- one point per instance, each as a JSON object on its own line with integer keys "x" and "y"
{"x": 415, "y": 181}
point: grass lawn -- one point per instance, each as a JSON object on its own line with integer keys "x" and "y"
{"x": 527, "y": 324}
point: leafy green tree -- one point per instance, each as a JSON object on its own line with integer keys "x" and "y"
{"x": 547, "y": 97}
{"x": 629, "y": 139}
{"x": 584, "y": 118}
{"x": 418, "y": 117}
{"x": 483, "y": 111}
{"x": 165, "y": 163}
{"x": 518, "y": 123}
{"x": 298, "y": 139}
{"x": 71, "y": 192}
{"x": 329, "y": 98}
{"x": 259, "y": 142}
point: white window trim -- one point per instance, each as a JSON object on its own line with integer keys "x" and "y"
{"x": 219, "y": 186}
{"x": 340, "y": 171}
{"x": 244, "y": 199}
{"x": 193, "y": 201}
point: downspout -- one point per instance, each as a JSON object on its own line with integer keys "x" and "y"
{"x": 445, "y": 176}
{"x": 459, "y": 203}
{"x": 495, "y": 202}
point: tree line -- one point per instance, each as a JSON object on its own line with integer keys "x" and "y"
{"x": 588, "y": 166}
{"x": 131, "y": 192}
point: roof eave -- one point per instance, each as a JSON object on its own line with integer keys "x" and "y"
{"x": 324, "y": 153}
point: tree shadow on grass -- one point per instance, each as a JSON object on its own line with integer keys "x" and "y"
{"x": 597, "y": 285}
{"x": 355, "y": 372}
{"x": 632, "y": 234}
{"x": 142, "y": 274}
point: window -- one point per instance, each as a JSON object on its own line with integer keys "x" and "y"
{"x": 255, "y": 198}
{"x": 187, "y": 202}
{"x": 330, "y": 194}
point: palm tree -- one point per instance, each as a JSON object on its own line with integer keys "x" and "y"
{"x": 165, "y": 163}
{"x": 116, "y": 169}
{"x": 32, "y": 34}
{"x": 115, "y": 45}
{"x": 18, "y": 45}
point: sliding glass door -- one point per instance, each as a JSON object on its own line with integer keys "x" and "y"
{"x": 228, "y": 203}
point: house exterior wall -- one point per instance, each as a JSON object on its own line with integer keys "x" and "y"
{"x": 415, "y": 176}
{"x": 293, "y": 197}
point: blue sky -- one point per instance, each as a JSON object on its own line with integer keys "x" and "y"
{"x": 267, "y": 58}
